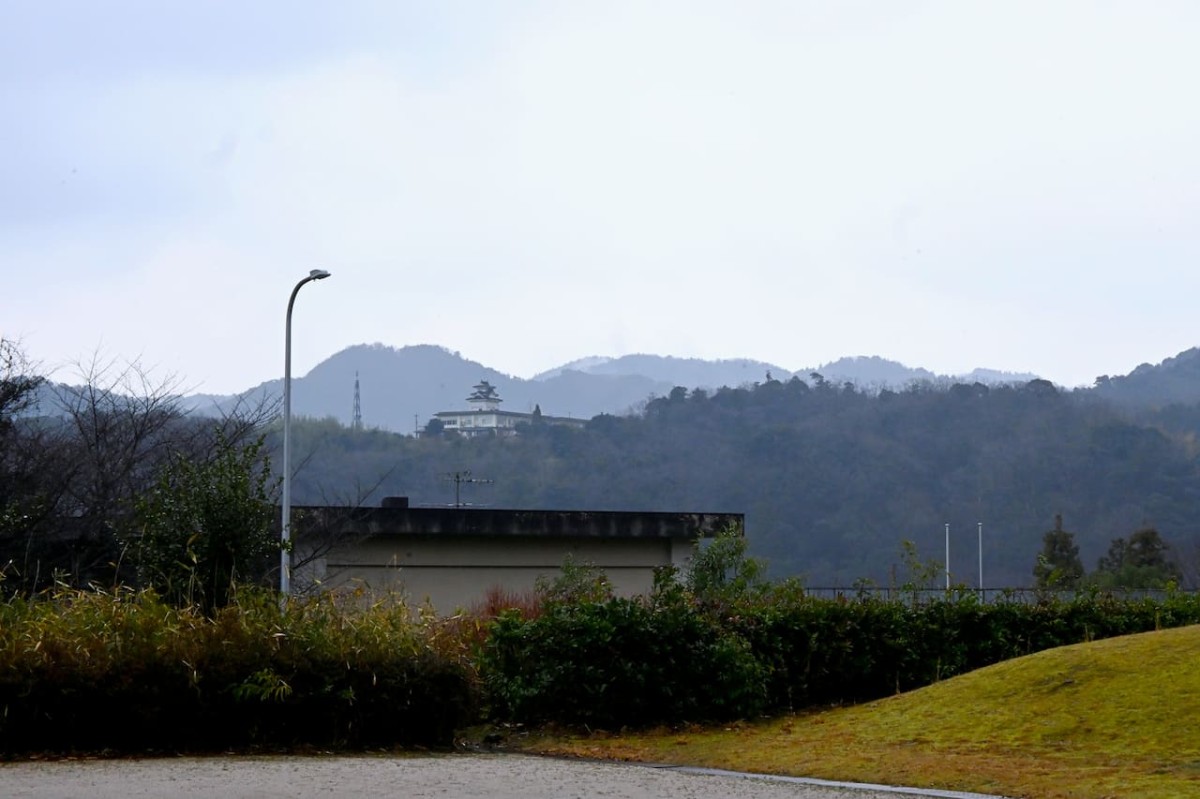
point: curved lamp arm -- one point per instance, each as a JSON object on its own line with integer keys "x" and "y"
{"x": 285, "y": 555}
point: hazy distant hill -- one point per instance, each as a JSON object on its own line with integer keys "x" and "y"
{"x": 395, "y": 385}
{"x": 864, "y": 371}
{"x": 871, "y": 371}
{"x": 995, "y": 376}
{"x": 1175, "y": 380}
{"x": 671, "y": 371}
{"x": 875, "y": 372}
{"x": 402, "y": 388}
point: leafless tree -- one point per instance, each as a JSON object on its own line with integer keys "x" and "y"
{"x": 18, "y": 381}
{"x": 76, "y": 465}
{"x": 320, "y": 532}
{"x": 23, "y": 462}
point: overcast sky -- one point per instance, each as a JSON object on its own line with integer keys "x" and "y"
{"x": 948, "y": 184}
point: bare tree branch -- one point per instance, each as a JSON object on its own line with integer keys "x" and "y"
{"x": 86, "y": 459}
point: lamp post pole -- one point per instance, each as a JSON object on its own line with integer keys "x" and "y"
{"x": 981, "y": 560}
{"x": 285, "y": 553}
{"x": 947, "y": 557}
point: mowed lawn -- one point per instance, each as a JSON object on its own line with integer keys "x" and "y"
{"x": 1113, "y": 718}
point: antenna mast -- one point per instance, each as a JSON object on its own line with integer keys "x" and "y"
{"x": 460, "y": 477}
{"x": 356, "y": 424}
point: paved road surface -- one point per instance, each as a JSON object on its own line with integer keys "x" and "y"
{"x": 371, "y": 777}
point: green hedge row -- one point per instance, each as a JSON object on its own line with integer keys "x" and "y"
{"x": 126, "y": 672}
{"x": 88, "y": 671}
{"x": 827, "y": 651}
{"x": 622, "y": 662}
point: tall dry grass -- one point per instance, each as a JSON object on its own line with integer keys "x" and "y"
{"x": 123, "y": 670}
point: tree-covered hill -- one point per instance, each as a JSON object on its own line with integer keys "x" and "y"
{"x": 831, "y": 478}
{"x": 1175, "y": 380}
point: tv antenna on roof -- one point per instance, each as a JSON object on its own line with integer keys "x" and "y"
{"x": 460, "y": 477}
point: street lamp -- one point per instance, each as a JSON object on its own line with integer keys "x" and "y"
{"x": 285, "y": 555}
{"x": 947, "y": 557}
{"x": 981, "y": 560}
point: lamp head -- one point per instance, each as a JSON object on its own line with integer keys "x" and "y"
{"x": 318, "y": 274}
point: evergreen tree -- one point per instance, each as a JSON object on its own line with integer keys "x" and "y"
{"x": 1058, "y": 564}
{"x": 1144, "y": 561}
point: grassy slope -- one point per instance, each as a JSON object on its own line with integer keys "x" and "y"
{"x": 1114, "y": 718}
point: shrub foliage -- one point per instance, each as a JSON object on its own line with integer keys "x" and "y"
{"x": 128, "y": 672}
{"x": 620, "y": 662}
{"x": 719, "y": 648}
{"x": 206, "y": 526}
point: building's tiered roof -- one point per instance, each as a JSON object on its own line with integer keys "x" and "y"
{"x": 484, "y": 392}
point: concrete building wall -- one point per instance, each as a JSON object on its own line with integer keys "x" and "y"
{"x": 451, "y": 557}
{"x": 453, "y": 573}
{"x": 477, "y": 422}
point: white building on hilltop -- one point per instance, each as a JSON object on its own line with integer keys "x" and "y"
{"x": 484, "y": 418}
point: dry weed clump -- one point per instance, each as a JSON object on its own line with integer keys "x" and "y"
{"x": 125, "y": 671}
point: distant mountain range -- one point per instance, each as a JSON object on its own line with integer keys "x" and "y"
{"x": 864, "y": 371}
{"x": 402, "y": 388}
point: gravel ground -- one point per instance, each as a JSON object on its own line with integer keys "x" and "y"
{"x": 411, "y": 777}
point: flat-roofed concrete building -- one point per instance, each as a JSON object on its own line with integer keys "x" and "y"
{"x": 451, "y": 557}
{"x": 485, "y": 417}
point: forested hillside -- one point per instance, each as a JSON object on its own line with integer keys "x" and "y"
{"x": 832, "y": 478}
{"x": 1175, "y": 380}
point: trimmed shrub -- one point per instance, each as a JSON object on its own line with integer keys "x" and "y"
{"x": 679, "y": 657}
{"x": 822, "y": 651}
{"x": 619, "y": 662}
